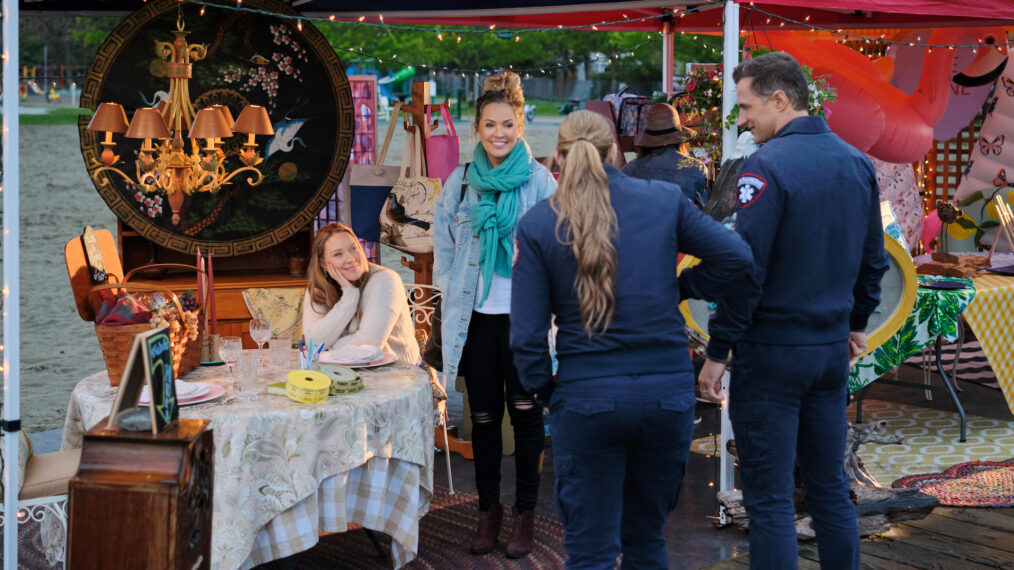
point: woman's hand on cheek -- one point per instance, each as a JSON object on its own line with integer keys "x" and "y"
{"x": 336, "y": 274}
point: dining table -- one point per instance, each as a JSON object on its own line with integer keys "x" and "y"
{"x": 285, "y": 472}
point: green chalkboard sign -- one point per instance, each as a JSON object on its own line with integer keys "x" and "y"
{"x": 150, "y": 364}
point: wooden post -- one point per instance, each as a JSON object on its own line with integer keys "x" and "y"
{"x": 422, "y": 265}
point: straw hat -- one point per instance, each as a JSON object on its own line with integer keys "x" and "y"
{"x": 662, "y": 127}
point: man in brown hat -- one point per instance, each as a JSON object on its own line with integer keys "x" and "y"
{"x": 663, "y": 154}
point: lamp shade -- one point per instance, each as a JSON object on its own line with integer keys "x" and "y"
{"x": 253, "y": 119}
{"x": 226, "y": 114}
{"x": 209, "y": 124}
{"x": 147, "y": 124}
{"x": 109, "y": 117}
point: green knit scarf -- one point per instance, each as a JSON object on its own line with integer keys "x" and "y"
{"x": 494, "y": 215}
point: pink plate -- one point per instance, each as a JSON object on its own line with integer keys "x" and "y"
{"x": 387, "y": 358}
{"x": 214, "y": 391}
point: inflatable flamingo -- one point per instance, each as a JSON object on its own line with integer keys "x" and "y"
{"x": 875, "y": 116}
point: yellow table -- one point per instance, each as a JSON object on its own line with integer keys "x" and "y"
{"x": 991, "y": 316}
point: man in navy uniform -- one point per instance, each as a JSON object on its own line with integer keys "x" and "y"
{"x": 809, "y": 208}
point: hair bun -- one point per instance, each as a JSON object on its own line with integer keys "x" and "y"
{"x": 506, "y": 81}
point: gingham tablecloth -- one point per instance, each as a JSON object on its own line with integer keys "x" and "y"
{"x": 286, "y": 471}
{"x": 991, "y": 316}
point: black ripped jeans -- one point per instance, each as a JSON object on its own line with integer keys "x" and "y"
{"x": 491, "y": 378}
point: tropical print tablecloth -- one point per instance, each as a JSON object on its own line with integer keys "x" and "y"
{"x": 272, "y": 454}
{"x": 991, "y": 317}
{"x": 935, "y": 314}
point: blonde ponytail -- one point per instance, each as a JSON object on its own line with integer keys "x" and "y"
{"x": 585, "y": 219}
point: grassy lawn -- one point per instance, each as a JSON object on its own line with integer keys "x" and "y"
{"x": 55, "y": 116}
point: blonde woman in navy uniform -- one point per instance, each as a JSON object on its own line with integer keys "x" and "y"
{"x": 600, "y": 255}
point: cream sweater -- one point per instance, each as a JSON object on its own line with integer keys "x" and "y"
{"x": 386, "y": 320}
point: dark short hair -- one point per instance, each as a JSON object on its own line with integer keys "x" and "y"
{"x": 773, "y": 72}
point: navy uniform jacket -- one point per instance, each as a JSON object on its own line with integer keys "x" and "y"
{"x": 809, "y": 208}
{"x": 646, "y": 336}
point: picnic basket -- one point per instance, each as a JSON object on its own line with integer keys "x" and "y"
{"x": 116, "y": 340}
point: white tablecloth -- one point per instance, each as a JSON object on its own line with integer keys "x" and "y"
{"x": 285, "y": 471}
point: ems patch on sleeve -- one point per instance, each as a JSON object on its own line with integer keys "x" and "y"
{"x": 750, "y": 187}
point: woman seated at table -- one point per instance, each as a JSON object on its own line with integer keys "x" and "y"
{"x": 350, "y": 301}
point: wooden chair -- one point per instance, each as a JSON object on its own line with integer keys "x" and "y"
{"x": 43, "y": 495}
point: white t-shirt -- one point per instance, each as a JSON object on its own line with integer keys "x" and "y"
{"x": 499, "y": 300}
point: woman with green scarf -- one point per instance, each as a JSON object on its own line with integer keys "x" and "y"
{"x": 474, "y": 228}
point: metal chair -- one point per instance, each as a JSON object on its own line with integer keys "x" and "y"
{"x": 42, "y": 498}
{"x": 422, "y": 301}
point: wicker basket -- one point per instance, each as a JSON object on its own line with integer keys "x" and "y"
{"x": 117, "y": 341}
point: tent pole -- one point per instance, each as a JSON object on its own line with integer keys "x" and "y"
{"x": 730, "y": 58}
{"x": 668, "y": 54}
{"x": 12, "y": 273}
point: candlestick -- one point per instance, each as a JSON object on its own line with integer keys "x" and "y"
{"x": 211, "y": 295}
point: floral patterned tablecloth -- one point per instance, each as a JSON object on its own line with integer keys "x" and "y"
{"x": 271, "y": 454}
{"x": 935, "y": 314}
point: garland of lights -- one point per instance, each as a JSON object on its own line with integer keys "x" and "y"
{"x": 881, "y": 39}
{"x": 362, "y": 20}
{"x": 526, "y": 71}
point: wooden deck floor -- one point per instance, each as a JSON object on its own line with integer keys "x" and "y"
{"x": 950, "y": 538}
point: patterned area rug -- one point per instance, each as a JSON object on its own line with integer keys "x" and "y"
{"x": 31, "y": 554}
{"x": 972, "y": 366}
{"x": 443, "y": 538}
{"x": 973, "y": 484}
{"x": 930, "y": 440}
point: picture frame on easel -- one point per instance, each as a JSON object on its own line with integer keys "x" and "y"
{"x": 149, "y": 364}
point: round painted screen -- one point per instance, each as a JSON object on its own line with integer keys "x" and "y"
{"x": 247, "y": 58}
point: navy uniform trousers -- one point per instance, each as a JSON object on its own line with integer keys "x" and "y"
{"x": 787, "y": 403}
{"x": 620, "y": 447}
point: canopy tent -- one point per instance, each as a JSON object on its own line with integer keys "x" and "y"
{"x": 632, "y": 15}
{"x": 853, "y": 14}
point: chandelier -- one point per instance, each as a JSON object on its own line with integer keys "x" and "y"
{"x": 162, "y": 164}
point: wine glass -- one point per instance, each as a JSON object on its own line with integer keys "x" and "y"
{"x": 260, "y": 332}
{"x": 232, "y": 347}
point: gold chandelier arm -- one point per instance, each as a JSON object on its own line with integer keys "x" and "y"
{"x": 250, "y": 181}
{"x": 163, "y": 50}
{"x": 196, "y": 52}
{"x": 105, "y": 180}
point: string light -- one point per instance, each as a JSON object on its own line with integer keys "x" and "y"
{"x": 380, "y": 17}
{"x": 615, "y": 56}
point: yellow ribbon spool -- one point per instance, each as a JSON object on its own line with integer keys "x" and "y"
{"x": 307, "y": 386}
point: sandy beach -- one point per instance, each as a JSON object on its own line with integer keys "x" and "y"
{"x": 57, "y": 200}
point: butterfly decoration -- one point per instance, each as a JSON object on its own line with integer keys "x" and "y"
{"x": 1008, "y": 85}
{"x": 968, "y": 168}
{"x": 1001, "y": 179}
{"x": 985, "y": 146}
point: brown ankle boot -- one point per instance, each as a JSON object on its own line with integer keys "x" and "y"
{"x": 489, "y": 529}
{"x": 522, "y": 535}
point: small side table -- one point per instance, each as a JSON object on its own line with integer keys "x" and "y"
{"x": 934, "y": 318}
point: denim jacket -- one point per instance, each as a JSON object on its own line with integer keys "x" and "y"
{"x": 456, "y": 254}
